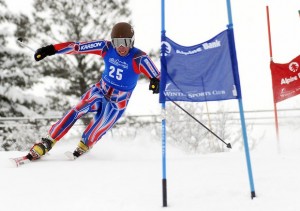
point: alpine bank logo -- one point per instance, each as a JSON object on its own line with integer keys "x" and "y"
{"x": 285, "y": 92}
{"x": 170, "y": 87}
{"x": 294, "y": 66}
{"x": 167, "y": 86}
{"x": 165, "y": 48}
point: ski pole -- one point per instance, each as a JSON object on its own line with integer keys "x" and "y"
{"x": 228, "y": 145}
{"x": 20, "y": 40}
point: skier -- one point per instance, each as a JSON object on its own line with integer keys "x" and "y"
{"x": 109, "y": 97}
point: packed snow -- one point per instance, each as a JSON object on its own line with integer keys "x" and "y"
{"x": 126, "y": 174}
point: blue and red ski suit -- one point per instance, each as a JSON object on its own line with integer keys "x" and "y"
{"x": 109, "y": 97}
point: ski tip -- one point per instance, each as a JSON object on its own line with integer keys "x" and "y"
{"x": 16, "y": 162}
{"x": 70, "y": 155}
{"x": 12, "y": 163}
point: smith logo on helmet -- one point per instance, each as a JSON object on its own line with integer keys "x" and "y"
{"x": 90, "y": 46}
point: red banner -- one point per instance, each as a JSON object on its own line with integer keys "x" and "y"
{"x": 285, "y": 79}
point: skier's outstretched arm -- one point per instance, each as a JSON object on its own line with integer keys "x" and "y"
{"x": 93, "y": 47}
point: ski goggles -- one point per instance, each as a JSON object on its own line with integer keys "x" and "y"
{"x": 125, "y": 42}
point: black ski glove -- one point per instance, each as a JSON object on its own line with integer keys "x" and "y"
{"x": 41, "y": 53}
{"x": 154, "y": 85}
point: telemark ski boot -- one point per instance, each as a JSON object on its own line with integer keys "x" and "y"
{"x": 80, "y": 150}
{"x": 41, "y": 148}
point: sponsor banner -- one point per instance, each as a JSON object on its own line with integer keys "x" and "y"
{"x": 285, "y": 79}
{"x": 198, "y": 73}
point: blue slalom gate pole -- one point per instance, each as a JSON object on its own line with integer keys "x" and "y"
{"x": 164, "y": 171}
{"x": 242, "y": 117}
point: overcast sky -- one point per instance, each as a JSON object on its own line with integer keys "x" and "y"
{"x": 194, "y": 21}
{"x": 191, "y": 22}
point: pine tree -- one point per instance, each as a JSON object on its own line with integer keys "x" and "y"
{"x": 67, "y": 76}
{"x": 69, "y": 20}
{"x": 17, "y": 76}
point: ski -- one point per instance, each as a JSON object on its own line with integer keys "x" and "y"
{"x": 19, "y": 161}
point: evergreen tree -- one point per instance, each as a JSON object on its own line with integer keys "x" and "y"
{"x": 69, "y": 20}
{"x": 17, "y": 76}
{"x": 67, "y": 76}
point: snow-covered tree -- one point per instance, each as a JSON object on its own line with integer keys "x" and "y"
{"x": 186, "y": 133}
{"x": 17, "y": 76}
{"x": 70, "y": 20}
{"x": 66, "y": 76}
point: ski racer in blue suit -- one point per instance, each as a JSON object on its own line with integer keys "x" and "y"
{"x": 107, "y": 98}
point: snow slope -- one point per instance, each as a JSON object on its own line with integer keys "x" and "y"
{"x": 126, "y": 175}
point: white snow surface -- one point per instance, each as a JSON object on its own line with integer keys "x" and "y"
{"x": 126, "y": 175}
{"x": 121, "y": 175}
